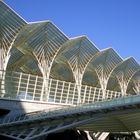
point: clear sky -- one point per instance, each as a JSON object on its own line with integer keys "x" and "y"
{"x": 107, "y": 23}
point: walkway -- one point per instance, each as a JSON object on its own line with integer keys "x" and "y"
{"x": 117, "y": 115}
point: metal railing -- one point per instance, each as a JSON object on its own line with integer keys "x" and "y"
{"x": 21, "y": 86}
{"x": 115, "y": 103}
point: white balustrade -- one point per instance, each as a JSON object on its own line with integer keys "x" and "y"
{"x": 17, "y": 85}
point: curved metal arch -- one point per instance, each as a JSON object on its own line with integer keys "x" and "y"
{"x": 60, "y": 60}
{"x": 10, "y": 26}
{"x": 102, "y": 64}
{"x": 21, "y": 48}
{"x": 45, "y": 55}
{"x": 76, "y": 53}
{"x": 123, "y": 73}
{"x": 40, "y": 41}
{"x": 134, "y": 83}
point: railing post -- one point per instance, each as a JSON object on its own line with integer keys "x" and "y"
{"x": 56, "y": 91}
{"x": 89, "y": 95}
{"x": 69, "y": 90}
{"x": 49, "y": 89}
{"x": 110, "y": 95}
{"x": 26, "y": 93}
{"x": 18, "y": 90}
{"x": 68, "y": 93}
{"x": 107, "y": 92}
{"x": 43, "y": 86}
{"x": 84, "y": 94}
{"x": 100, "y": 90}
{"x": 35, "y": 87}
{"x": 62, "y": 91}
{"x": 74, "y": 93}
{"x": 94, "y": 93}
{"x": 46, "y": 88}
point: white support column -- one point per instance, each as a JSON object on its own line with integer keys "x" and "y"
{"x": 100, "y": 90}
{"x": 79, "y": 93}
{"x": 74, "y": 93}
{"x": 78, "y": 79}
{"x": 103, "y": 79}
{"x": 136, "y": 87}
{"x": 49, "y": 89}
{"x": 43, "y": 86}
{"x": 122, "y": 82}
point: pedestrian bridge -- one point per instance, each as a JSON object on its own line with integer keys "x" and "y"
{"x": 50, "y": 82}
{"x": 58, "y": 107}
{"x": 116, "y": 115}
{"x": 21, "y": 86}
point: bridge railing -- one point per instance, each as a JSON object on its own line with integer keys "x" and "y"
{"x": 132, "y": 100}
{"x": 17, "y": 85}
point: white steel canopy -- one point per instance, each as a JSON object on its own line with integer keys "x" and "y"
{"x": 134, "y": 84}
{"x": 40, "y": 48}
{"x": 10, "y": 25}
{"x": 35, "y": 42}
{"x": 122, "y": 74}
{"x": 56, "y": 68}
{"x": 102, "y": 64}
{"x": 76, "y": 53}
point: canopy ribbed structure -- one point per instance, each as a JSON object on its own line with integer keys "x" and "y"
{"x": 134, "y": 84}
{"x": 10, "y": 25}
{"x": 40, "y": 48}
{"x": 76, "y": 53}
{"x": 35, "y": 43}
{"x": 123, "y": 74}
{"x": 102, "y": 64}
{"x": 39, "y": 63}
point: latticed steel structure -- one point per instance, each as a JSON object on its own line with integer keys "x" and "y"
{"x": 40, "y": 50}
{"x": 39, "y": 62}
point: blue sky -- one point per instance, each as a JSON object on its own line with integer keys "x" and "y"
{"x": 107, "y": 23}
